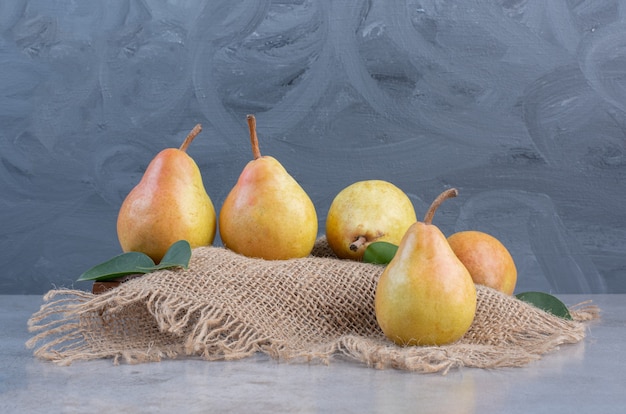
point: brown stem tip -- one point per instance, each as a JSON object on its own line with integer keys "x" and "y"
{"x": 194, "y": 132}
{"x": 254, "y": 140}
{"x": 355, "y": 245}
{"x": 449, "y": 193}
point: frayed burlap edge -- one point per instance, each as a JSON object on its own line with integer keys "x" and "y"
{"x": 64, "y": 323}
{"x": 379, "y": 353}
{"x": 186, "y": 328}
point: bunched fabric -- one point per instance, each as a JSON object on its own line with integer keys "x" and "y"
{"x": 227, "y": 306}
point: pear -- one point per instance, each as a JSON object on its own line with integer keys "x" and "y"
{"x": 425, "y": 295}
{"x": 169, "y": 204}
{"x": 365, "y": 212}
{"x": 267, "y": 214}
{"x": 486, "y": 258}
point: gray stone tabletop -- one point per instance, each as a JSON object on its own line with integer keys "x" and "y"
{"x": 588, "y": 377}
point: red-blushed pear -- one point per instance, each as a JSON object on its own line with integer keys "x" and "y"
{"x": 169, "y": 204}
{"x": 365, "y": 212}
{"x": 486, "y": 258}
{"x": 425, "y": 296}
{"x": 267, "y": 214}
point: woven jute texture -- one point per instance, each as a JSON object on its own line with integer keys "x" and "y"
{"x": 226, "y": 306}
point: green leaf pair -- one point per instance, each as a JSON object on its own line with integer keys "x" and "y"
{"x": 383, "y": 252}
{"x": 178, "y": 255}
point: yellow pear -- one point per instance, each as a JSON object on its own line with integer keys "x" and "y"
{"x": 425, "y": 296}
{"x": 365, "y": 212}
{"x": 169, "y": 204}
{"x": 486, "y": 258}
{"x": 267, "y": 214}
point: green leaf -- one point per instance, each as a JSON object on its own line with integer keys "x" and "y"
{"x": 379, "y": 252}
{"x": 178, "y": 255}
{"x": 122, "y": 265}
{"x": 546, "y": 302}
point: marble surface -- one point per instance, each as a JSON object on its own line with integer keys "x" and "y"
{"x": 588, "y": 377}
{"x": 519, "y": 104}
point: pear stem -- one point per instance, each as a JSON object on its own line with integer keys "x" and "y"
{"x": 254, "y": 140}
{"x": 360, "y": 241}
{"x": 194, "y": 132}
{"x": 449, "y": 193}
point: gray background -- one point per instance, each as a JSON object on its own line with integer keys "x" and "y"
{"x": 521, "y": 105}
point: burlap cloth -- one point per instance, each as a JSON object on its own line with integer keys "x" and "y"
{"x": 226, "y": 306}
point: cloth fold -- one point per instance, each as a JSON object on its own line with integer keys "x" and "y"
{"x": 227, "y": 306}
